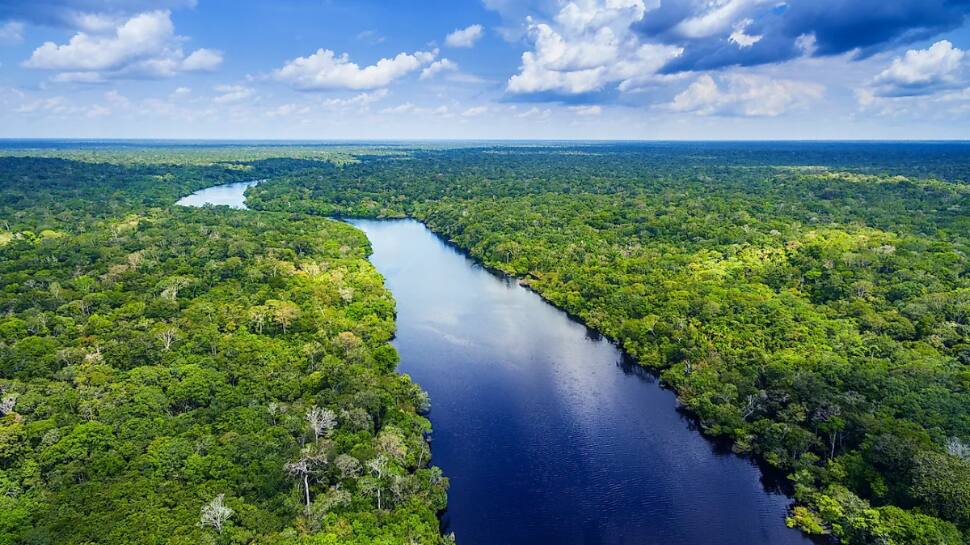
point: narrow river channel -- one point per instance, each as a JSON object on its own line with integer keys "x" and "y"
{"x": 548, "y": 436}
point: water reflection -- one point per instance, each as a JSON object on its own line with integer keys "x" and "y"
{"x": 231, "y": 195}
{"x": 548, "y": 433}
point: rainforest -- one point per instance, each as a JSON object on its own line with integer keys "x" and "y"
{"x": 183, "y": 375}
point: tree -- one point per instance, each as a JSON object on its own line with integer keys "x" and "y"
{"x": 257, "y": 315}
{"x": 7, "y": 404}
{"x": 275, "y": 409}
{"x": 348, "y": 466}
{"x": 215, "y": 514}
{"x": 956, "y": 447}
{"x": 375, "y": 484}
{"x": 942, "y": 483}
{"x": 391, "y": 444}
{"x": 322, "y": 421}
{"x": 303, "y": 468}
{"x": 166, "y": 334}
{"x": 284, "y": 312}
{"x": 172, "y": 285}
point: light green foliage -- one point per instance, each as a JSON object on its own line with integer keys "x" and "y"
{"x": 147, "y": 386}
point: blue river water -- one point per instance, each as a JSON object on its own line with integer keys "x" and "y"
{"x": 231, "y": 195}
{"x": 548, "y": 435}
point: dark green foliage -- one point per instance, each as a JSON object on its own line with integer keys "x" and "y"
{"x": 811, "y": 302}
{"x": 818, "y": 317}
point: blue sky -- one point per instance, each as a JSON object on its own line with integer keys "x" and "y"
{"x": 551, "y": 69}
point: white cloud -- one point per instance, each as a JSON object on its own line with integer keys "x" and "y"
{"x": 86, "y": 15}
{"x": 807, "y": 44}
{"x": 588, "y": 46}
{"x": 58, "y": 106}
{"x": 138, "y": 38}
{"x": 97, "y": 110}
{"x": 324, "y": 70}
{"x": 78, "y": 77}
{"x": 117, "y": 99}
{"x": 11, "y": 32}
{"x": 361, "y": 100}
{"x": 145, "y": 45}
{"x": 720, "y": 17}
{"x": 55, "y": 104}
{"x": 202, "y": 60}
{"x": 443, "y": 65}
{"x": 371, "y": 36}
{"x": 701, "y": 95}
{"x": 357, "y": 103}
{"x": 181, "y": 92}
{"x": 745, "y": 95}
{"x": 535, "y": 112}
{"x": 465, "y": 37}
{"x": 286, "y": 110}
{"x": 229, "y": 94}
{"x": 93, "y": 22}
{"x": 399, "y": 109}
{"x": 410, "y": 108}
{"x": 959, "y": 95}
{"x": 475, "y": 111}
{"x": 587, "y": 110}
{"x": 740, "y": 37}
{"x": 921, "y": 72}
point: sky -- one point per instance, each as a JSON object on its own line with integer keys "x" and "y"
{"x": 485, "y": 69}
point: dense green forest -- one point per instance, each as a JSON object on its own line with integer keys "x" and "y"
{"x": 180, "y": 375}
{"x": 186, "y": 376}
{"x": 813, "y": 307}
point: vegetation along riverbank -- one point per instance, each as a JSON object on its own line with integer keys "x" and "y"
{"x": 177, "y": 375}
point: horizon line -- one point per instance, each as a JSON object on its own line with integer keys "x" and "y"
{"x": 464, "y": 140}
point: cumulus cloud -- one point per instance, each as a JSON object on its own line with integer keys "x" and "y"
{"x": 435, "y": 68}
{"x": 744, "y": 95}
{"x": 717, "y": 34}
{"x": 144, "y": 45}
{"x": 587, "y": 46}
{"x": 740, "y": 37}
{"x": 324, "y": 70}
{"x": 713, "y": 18}
{"x": 921, "y": 72}
{"x": 714, "y": 34}
{"x": 465, "y": 37}
{"x": 202, "y": 60}
{"x": 138, "y": 38}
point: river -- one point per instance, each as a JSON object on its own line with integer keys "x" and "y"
{"x": 548, "y": 435}
{"x": 231, "y": 195}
